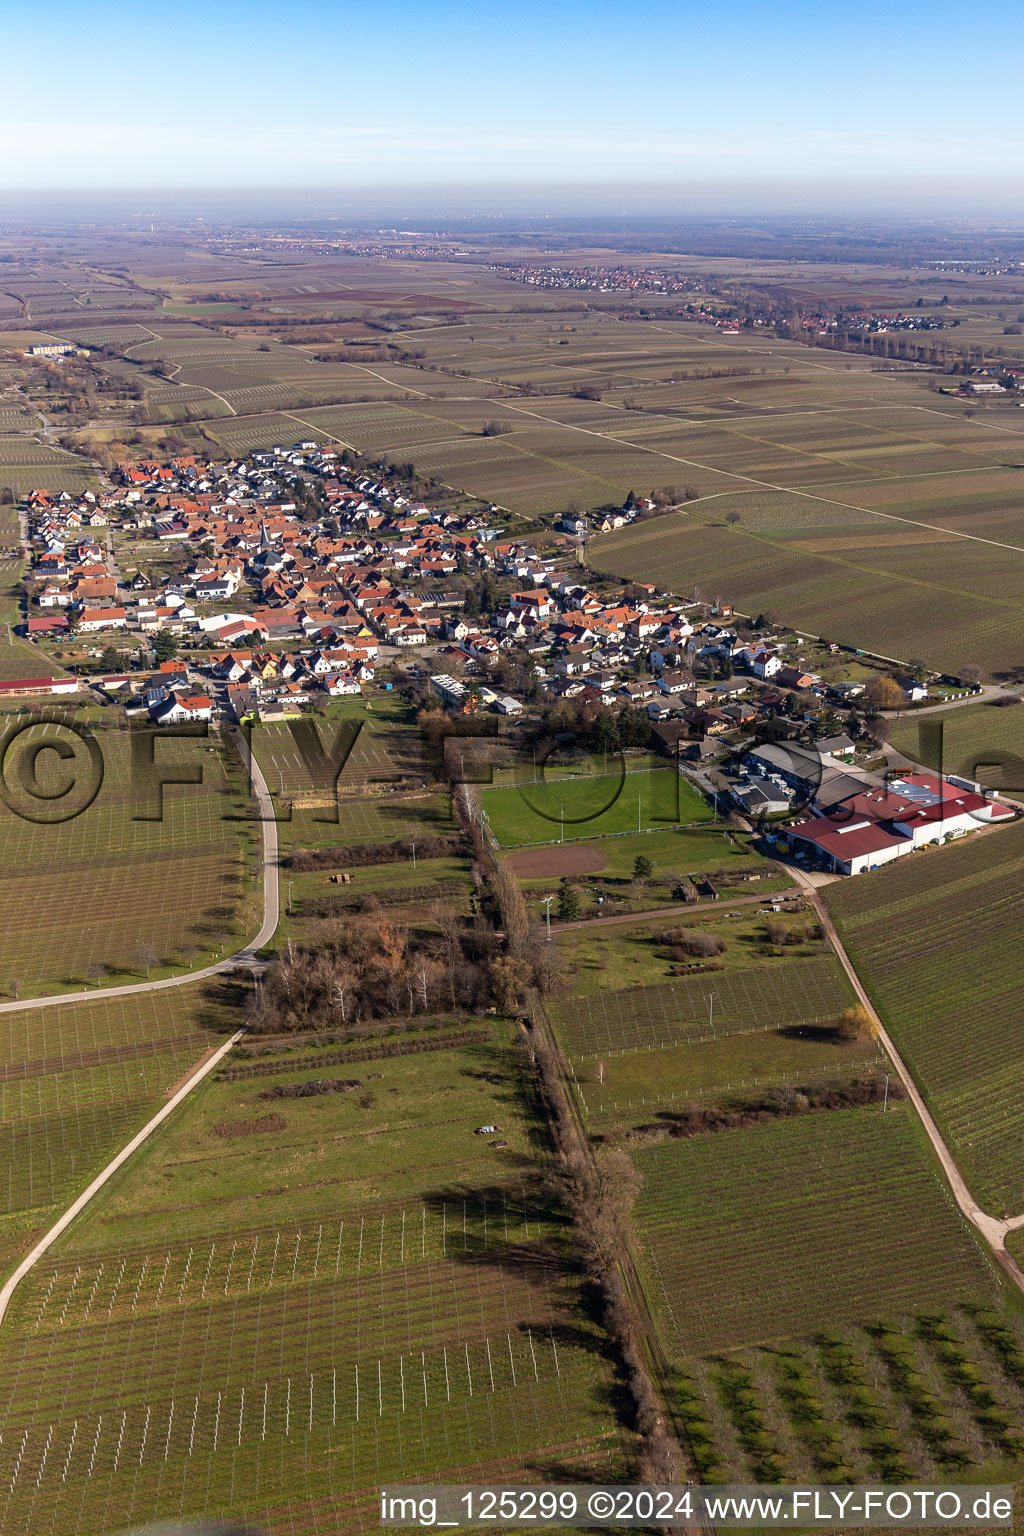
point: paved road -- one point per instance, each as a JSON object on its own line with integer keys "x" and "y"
{"x": 247, "y": 955}
{"x": 992, "y": 1228}
{"x": 988, "y": 691}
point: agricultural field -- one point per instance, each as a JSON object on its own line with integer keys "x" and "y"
{"x": 952, "y": 998}
{"x": 383, "y": 789}
{"x": 403, "y": 890}
{"x": 770, "y": 995}
{"x": 387, "y": 750}
{"x": 361, "y": 1284}
{"x": 27, "y": 464}
{"x": 738, "y": 1226}
{"x": 910, "y": 581}
{"x": 290, "y": 1296}
{"x": 119, "y": 890}
{"x": 20, "y": 658}
{"x": 645, "y": 1034}
{"x": 984, "y": 742}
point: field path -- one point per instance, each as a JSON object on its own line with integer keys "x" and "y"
{"x": 723, "y": 904}
{"x": 758, "y": 484}
{"x": 206, "y": 1065}
{"x": 992, "y": 1228}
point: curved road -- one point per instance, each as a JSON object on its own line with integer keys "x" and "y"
{"x": 246, "y": 955}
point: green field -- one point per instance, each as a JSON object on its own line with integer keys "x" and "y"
{"x": 758, "y": 996}
{"x": 564, "y": 810}
{"x": 883, "y": 1370}
{"x": 739, "y": 1227}
{"x": 952, "y": 998}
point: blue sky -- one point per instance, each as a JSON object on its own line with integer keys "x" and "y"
{"x": 403, "y": 92}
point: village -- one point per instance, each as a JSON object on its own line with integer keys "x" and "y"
{"x": 262, "y": 588}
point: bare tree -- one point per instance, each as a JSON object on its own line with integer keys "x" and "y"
{"x": 146, "y": 957}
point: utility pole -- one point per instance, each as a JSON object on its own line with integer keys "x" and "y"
{"x": 290, "y": 884}
{"x": 561, "y": 832}
{"x": 711, "y": 1011}
{"x": 885, "y": 1101}
{"x": 413, "y": 841}
{"x": 547, "y": 913}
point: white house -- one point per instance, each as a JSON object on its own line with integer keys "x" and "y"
{"x": 172, "y": 711}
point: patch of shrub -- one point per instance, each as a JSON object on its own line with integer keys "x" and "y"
{"x": 231, "y": 1128}
{"x": 360, "y": 855}
{"x": 312, "y": 1088}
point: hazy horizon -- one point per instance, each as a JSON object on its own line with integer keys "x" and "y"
{"x": 418, "y": 96}
{"x": 978, "y": 203}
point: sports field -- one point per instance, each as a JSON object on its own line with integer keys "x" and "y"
{"x": 566, "y": 809}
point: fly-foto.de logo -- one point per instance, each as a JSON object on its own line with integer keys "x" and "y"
{"x": 52, "y": 769}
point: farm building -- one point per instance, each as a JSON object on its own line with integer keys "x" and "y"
{"x": 29, "y": 687}
{"x": 877, "y": 825}
{"x": 448, "y": 689}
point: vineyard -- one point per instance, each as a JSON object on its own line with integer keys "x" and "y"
{"x": 952, "y": 998}
{"x": 401, "y": 1316}
{"x": 781, "y": 1230}
{"x": 385, "y": 752}
{"x": 788, "y": 992}
{"x": 78, "y": 1080}
{"x": 177, "y": 883}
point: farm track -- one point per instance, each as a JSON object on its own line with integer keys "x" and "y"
{"x": 682, "y": 910}
{"x": 247, "y": 955}
{"x": 755, "y": 482}
{"x": 651, "y": 1342}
